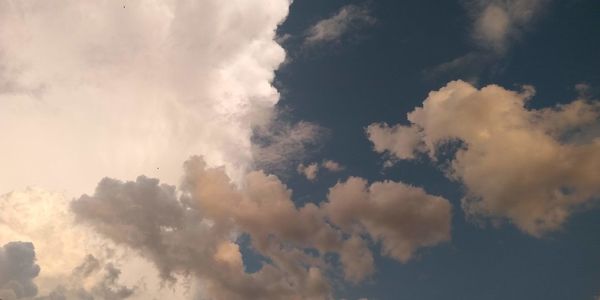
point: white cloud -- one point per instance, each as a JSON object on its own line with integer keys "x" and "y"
{"x": 532, "y": 167}
{"x": 92, "y": 89}
{"x": 335, "y": 27}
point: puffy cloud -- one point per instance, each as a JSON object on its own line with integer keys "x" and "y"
{"x": 17, "y": 270}
{"x": 195, "y": 234}
{"x": 404, "y": 218}
{"x": 309, "y": 171}
{"x": 94, "y": 89}
{"x": 533, "y": 167}
{"x": 194, "y": 229}
{"x": 335, "y": 27}
{"x": 332, "y": 166}
{"x": 400, "y": 141}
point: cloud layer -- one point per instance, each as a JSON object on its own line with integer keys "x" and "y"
{"x": 534, "y": 167}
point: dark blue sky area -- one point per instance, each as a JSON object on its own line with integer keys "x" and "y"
{"x": 381, "y": 72}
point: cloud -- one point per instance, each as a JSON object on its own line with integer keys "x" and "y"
{"x": 18, "y": 270}
{"x": 198, "y": 226}
{"x": 45, "y": 219}
{"x": 496, "y": 24}
{"x": 94, "y": 89}
{"x": 332, "y": 166}
{"x": 338, "y": 25}
{"x": 403, "y": 218}
{"x": 104, "y": 286}
{"x": 311, "y": 170}
{"x": 281, "y": 145}
{"x": 534, "y": 167}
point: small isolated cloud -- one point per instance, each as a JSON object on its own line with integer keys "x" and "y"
{"x": 18, "y": 269}
{"x": 332, "y": 29}
{"x": 532, "y": 167}
{"x": 496, "y": 25}
{"x": 332, "y": 166}
{"x": 311, "y": 170}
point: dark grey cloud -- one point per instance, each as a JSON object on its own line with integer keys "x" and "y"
{"x": 17, "y": 271}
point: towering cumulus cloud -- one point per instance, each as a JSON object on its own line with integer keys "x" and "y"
{"x": 99, "y": 88}
{"x": 533, "y": 167}
{"x": 197, "y": 232}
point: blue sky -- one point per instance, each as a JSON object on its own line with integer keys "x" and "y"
{"x": 379, "y": 74}
{"x": 332, "y": 149}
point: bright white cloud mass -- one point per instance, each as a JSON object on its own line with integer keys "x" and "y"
{"x": 93, "y": 89}
{"x": 534, "y": 167}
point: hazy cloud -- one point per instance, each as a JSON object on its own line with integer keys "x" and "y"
{"x": 349, "y": 17}
{"x": 496, "y": 26}
{"x": 532, "y": 167}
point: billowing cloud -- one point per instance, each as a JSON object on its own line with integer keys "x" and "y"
{"x": 403, "y": 218}
{"x": 94, "y": 89}
{"x": 17, "y": 271}
{"x": 196, "y": 232}
{"x": 534, "y": 167}
{"x": 335, "y": 27}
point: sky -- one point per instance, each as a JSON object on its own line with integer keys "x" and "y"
{"x": 277, "y": 149}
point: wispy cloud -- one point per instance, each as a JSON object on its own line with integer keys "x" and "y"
{"x": 334, "y": 28}
{"x": 496, "y": 26}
